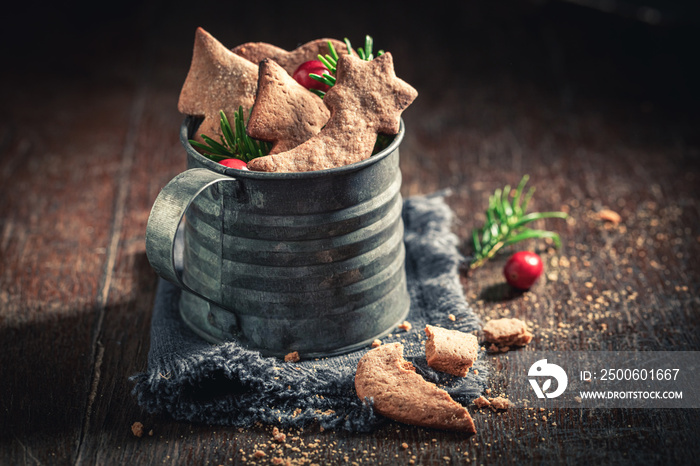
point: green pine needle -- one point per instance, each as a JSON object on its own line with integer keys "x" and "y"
{"x": 234, "y": 142}
{"x": 318, "y": 92}
{"x": 505, "y": 223}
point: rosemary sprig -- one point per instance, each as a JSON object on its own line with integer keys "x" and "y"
{"x": 505, "y": 223}
{"x": 234, "y": 142}
{"x": 330, "y": 61}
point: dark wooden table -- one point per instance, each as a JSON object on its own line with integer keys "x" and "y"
{"x": 600, "y": 109}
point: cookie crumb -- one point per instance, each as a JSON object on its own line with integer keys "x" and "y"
{"x": 137, "y": 429}
{"x": 499, "y": 403}
{"x": 278, "y": 436}
{"x": 259, "y": 454}
{"x": 376, "y": 343}
{"x": 610, "y": 216}
{"x": 292, "y": 357}
{"x": 406, "y": 326}
{"x": 404, "y": 446}
{"x": 481, "y": 402}
{"x": 451, "y": 317}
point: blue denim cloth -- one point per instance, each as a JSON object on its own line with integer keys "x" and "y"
{"x": 192, "y": 380}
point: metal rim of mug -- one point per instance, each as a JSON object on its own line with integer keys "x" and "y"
{"x": 190, "y": 124}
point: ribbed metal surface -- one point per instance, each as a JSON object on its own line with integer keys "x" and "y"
{"x": 312, "y": 262}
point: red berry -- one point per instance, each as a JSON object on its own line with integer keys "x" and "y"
{"x": 301, "y": 75}
{"x": 234, "y": 163}
{"x": 523, "y": 269}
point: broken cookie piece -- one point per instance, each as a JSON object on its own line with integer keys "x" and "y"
{"x": 450, "y": 351}
{"x": 507, "y": 332}
{"x": 401, "y": 394}
{"x": 285, "y": 113}
{"x": 289, "y": 60}
{"x": 217, "y": 80}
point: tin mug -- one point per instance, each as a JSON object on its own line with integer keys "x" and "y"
{"x": 310, "y": 262}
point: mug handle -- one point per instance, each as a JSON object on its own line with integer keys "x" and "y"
{"x": 166, "y": 215}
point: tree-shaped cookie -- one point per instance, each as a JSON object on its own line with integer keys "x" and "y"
{"x": 285, "y": 113}
{"x": 367, "y": 99}
{"x": 289, "y": 60}
{"x": 218, "y": 79}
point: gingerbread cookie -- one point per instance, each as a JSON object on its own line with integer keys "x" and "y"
{"x": 450, "y": 351}
{"x": 399, "y": 393}
{"x": 290, "y": 61}
{"x": 507, "y": 332}
{"x": 367, "y": 99}
{"x": 285, "y": 113}
{"x": 218, "y": 79}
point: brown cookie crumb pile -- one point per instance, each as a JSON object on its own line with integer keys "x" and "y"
{"x": 500, "y": 403}
{"x": 496, "y": 403}
{"x": 278, "y": 436}
{"x": 292, "y": 357}
{"x": 450, "y": 351}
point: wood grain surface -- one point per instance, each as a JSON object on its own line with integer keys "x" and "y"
{"x": 600, "y": 109}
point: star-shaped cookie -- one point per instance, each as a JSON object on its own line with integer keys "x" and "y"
{"x": 285, "y": 113}
{"x": 218, "y": 79}
{"x": 290, "y": 61}
{"x": 371, "y": 88}
{"x": 367, "y": 98}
